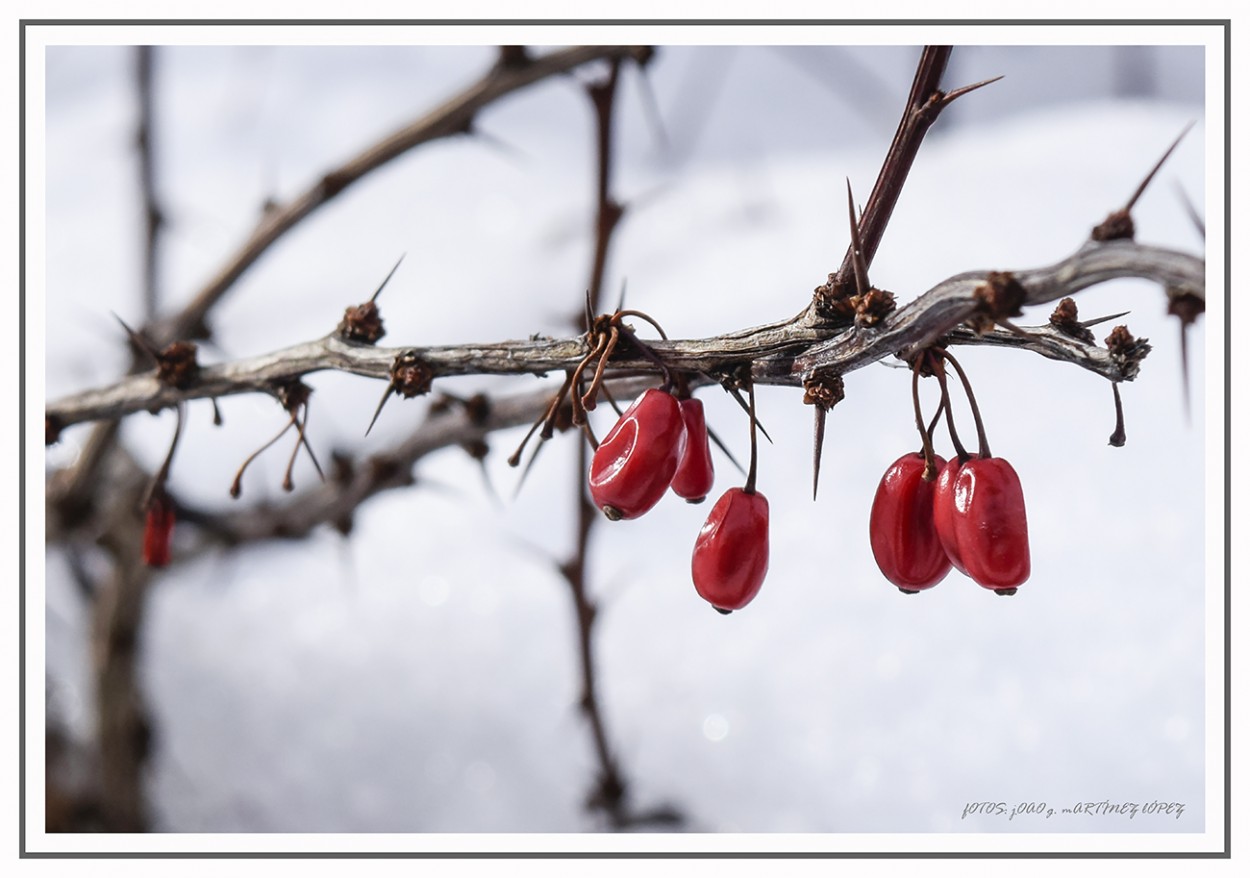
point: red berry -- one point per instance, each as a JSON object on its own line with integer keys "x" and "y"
{"x": 695, "y": 475}
{"x": 984, "y": 509}
{"x": 731, "y": 552}
{"x": 158, "y": 531}
{"x": 901, "y": 528}
{"x": 634, "y": 465}
{"x": 944, "y": 512}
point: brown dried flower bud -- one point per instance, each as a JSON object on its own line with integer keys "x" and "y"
{"x": 873, "y": 306}
{"x": 824, "y": 391}
{"x": 999, "y": 297}
{"x": 1064, "y": 319}
{"x": 176, "y": 366}
{"x": 410, "y": 375}
{"x": 1127, "y": 351}
{"x": 1117, "y": 226}
{"x": 362, "y": 323}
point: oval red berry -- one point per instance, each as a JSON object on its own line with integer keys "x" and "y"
{"x": 158, "y": 529}
{"x": 730, "y": 556}
{"x": 901, "y": 530}
{"x": 989, "y": 522}
{"x": 944, "y": 512}
{"x": 695, "y": 475}
{"x": 634, "y": 465}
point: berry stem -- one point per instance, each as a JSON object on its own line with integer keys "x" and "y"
{"x": 950, "y": 417}
{"x": 749, "y": 487}
{"x": 983, "y": 444}
{"x": 926, "y": 440}
{"x": 162, "y": 474}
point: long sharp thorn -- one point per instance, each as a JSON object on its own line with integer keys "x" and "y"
{"x": 390, "y": 388}
{"x": 620, "y": 302}
{"x": 818, "y": 444}
{"x": 1155, "y": 169}
{"x": 1012, "y": 328}
{"x": 138, "y": 340}
{"x": 590, "y": 311}
{"x": 861, "y": 268}
{"x": 1097, "y": 320}
{"x": 386, "y": 280}
{"x": 736, "y": 394}
{"x": 1185, "y": 372}
{"x": 1192, "y": 211}
{"x": 529, "y": 465}
{"x": 963, "y": 90}
{"x": 303, "y": 438}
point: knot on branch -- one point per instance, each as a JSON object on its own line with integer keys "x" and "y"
{"x": 999, "y": 297}
{"x": 361, "y": 323}
{"x": 1064, "y": 319}
{"x": 1127, "y": 351}
{"x": 1186, "y": 305}
{"x": 176, "y": 365}
{"x": 293, "y": 394}
{"x": 872, "y": 306}
{"x": 410, "y": 375}
{"x": 824, "y": 391}
{"x": 1117, "y": 226}
{"x": 837, "y": 300}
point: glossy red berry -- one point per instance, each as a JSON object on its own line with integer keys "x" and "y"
{"x": 634, "y": 465}
{"x": 695, "y": 475}
{"x": 731, "y": 552}
{"x": 901, "y": 529}
{"x": 944, "y": 512}
{"x": 985, "y": 524}
{"x": 158, "y": 531}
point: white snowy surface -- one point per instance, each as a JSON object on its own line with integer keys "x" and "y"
{"x": 421, "y": 676}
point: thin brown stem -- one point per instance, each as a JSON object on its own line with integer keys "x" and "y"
{"x": 749, "y": 487}
{"x": 926, "y": 441}
{"x": 983, "y": 445}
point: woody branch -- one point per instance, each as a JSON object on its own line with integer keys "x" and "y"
{"x": 780, "y": 353}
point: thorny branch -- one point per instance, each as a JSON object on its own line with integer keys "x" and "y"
{"x": 779, "y": 353}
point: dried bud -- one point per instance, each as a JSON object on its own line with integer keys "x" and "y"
{"x": 872, "y": 306}
{"x": 834, "y": 300}
{"x": 1064, "y": 319}
{"x": 1117, "y": 226}
{"x": 293, "y": 394}
{"x": 410, "y": 375}
{"x": 1185, "y": 305}
{"x": 362, "y": 323}
{"x": 824, "y": 391}
{"x": 1000, "y": 297}
{"x": 1127, "y": 351}
{"x": 176, "y": 366}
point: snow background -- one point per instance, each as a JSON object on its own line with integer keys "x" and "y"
{"x": 421, "y": 676}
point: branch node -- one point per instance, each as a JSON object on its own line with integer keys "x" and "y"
{"x": 999, "y": 297}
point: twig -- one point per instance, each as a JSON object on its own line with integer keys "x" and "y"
{"x": 780, "y": 353}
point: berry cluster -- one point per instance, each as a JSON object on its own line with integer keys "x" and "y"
{"x": 931, "y": 514}
{"x": 660, "y": 443}
{"x": 970, "y": 517}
